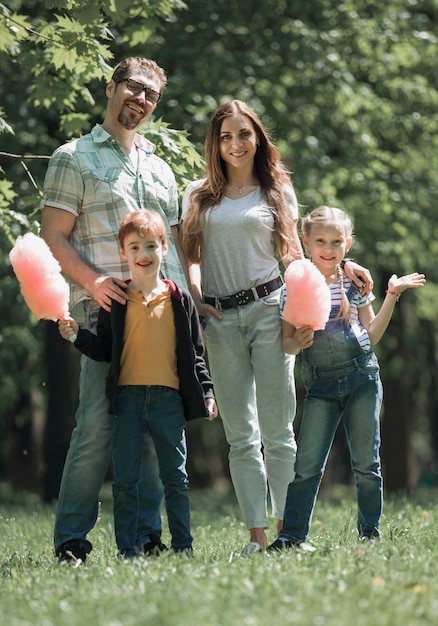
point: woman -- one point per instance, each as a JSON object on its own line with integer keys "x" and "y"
{"x": 237, "y": 222}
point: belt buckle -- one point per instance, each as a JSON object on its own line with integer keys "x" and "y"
{"x": 242, "y": 298}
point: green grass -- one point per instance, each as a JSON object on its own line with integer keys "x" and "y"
{"x": 393, "y": 583}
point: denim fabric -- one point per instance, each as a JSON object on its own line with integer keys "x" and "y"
{"x": 88, "y": 459}
{"x": 158, "y": 412}
{"x": 342, "y": 384}
{"x": 255, "y": 390}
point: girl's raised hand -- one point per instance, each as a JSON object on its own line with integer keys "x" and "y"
{"x": 397, "y": 285}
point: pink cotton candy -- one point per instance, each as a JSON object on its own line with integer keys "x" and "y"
{"x": 44, "y": 289}
{"x": 308, "y": 296}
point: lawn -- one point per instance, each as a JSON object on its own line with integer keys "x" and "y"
{"x": 393, "y": 583}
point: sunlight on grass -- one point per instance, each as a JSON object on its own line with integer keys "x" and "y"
{"x": 392, "y": 583}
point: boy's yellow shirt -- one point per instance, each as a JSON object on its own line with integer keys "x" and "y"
{"x": 149, "y": 342}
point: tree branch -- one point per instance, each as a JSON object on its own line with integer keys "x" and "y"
{"x": 23, "y": 156}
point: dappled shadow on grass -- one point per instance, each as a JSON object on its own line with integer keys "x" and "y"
{"x": 344, "y": 582}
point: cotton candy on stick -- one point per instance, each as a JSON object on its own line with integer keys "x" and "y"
{"x": 308, "y": 296}
{"x": 43, "y": 287}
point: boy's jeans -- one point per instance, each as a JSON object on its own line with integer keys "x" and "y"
{"x": 158, "y": 412}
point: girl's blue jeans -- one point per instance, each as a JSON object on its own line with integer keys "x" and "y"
{"x": 351, "y": 392}
{"x": 155, "y": 411}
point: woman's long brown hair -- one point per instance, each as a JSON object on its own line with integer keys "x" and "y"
{"x": 271, "y": 175}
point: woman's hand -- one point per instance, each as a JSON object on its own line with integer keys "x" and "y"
{"x": 360, "y": 276}
{"x": 205, "y": 310}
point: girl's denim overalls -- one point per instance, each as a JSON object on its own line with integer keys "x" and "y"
{"x": 342, "y": 383}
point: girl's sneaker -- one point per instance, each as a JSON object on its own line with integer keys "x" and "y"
{"x": 251, "y": 548}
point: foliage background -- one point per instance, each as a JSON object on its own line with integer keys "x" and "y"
{"x": 349, "y": 92}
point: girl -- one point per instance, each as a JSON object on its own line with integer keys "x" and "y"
{"x": 341, "y": 376}
{"x": 234, "y": 222}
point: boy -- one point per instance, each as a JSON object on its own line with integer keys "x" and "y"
{"x": 158, "y": 378}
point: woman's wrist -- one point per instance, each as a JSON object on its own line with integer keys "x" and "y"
{"x": 346, "y": 260}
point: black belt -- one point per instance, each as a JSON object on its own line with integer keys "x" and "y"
{"x": 245, "y": 297}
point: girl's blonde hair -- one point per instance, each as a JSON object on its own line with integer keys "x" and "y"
{"x": 338, "y": 218}
{"x": 269, "y": 170}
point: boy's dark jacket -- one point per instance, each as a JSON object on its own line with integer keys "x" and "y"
{"x": 107, "y": 345}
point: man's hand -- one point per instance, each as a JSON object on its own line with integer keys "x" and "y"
{"x": 106, "y": 288}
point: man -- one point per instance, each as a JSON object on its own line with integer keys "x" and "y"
{"x": 90, "y": 185}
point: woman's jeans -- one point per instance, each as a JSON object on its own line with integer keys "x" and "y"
{"x": 255, "y": 390}
{"x": 351, "y": 392}
{"x": 88, "y": 458}
{"x": 155, "y": 411}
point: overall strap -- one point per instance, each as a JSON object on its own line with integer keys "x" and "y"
{"x": 351, "y": 291}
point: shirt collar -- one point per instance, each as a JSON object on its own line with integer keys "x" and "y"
{"x": 101, "y": 136}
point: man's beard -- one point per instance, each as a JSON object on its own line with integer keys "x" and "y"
{"x": 130, "y": 121}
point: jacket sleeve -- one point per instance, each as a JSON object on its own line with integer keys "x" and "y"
{"x": 97, "y": 347}
{"x": 202, "y": 372}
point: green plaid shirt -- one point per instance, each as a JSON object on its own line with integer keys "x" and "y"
{"x": 93, "y": 178}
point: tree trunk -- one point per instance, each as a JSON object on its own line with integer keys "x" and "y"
{"x": 397, "y": 454}
{"x": 22, "y": 455}
{"x": 63, "y": 365}
{"x": 398, "y": 461}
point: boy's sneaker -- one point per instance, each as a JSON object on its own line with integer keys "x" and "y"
{"x": 284, "y": 544}
{"x": 369, "y": 540}
{"x": 154, "y": 548}
{"x": 279, "y": 545}
{"x": 72, "y": 552}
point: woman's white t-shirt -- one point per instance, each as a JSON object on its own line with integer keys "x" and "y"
{"x": 238, "y": 242}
